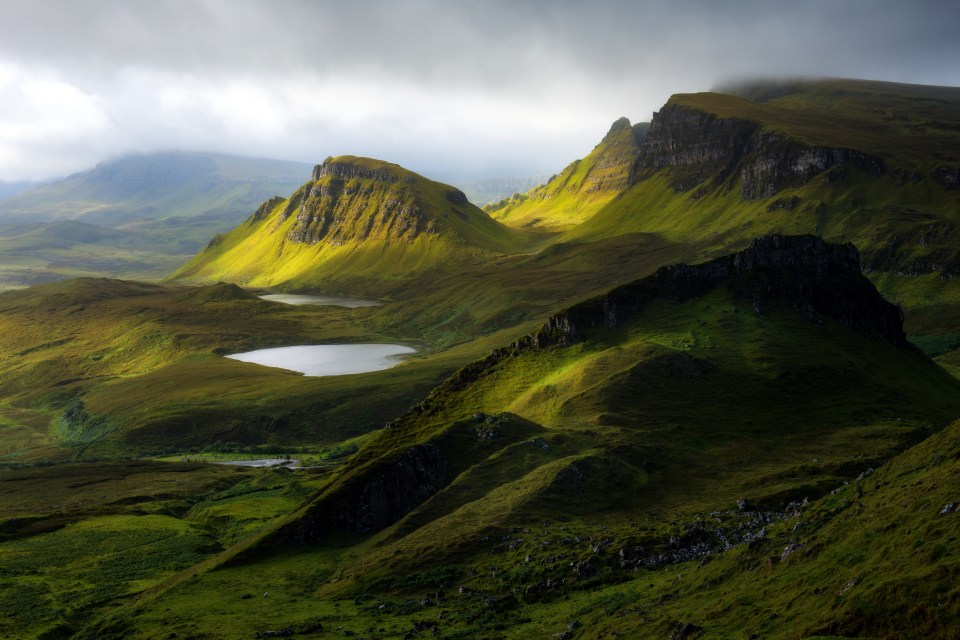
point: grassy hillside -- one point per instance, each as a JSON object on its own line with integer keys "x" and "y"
{"x": 101, "y": 367}
{"x": 852, "y": 161}
{"x": 581, "y": 189}
{"x": 359, "y": 224}
{"x": 703, "y": 452}
{"x": 111, "y": 530}
{"x": 584, "y": 474}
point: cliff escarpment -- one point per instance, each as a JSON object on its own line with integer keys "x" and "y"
{"x": 802, "y": 273}
{"x": 700, "y": 146}
{"x": 805, "y": 274}
{"x": 358, "y": 223}
{"x": 348, "y": 201}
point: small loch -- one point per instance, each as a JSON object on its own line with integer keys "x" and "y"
{"x": 329, "y": 359}
{"x": 333, "y": 301}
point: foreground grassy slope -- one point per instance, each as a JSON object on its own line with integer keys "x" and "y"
{"x": 359, "y": 224}
{"x": 570, "y": 476}
{"x": 108, "y": 531}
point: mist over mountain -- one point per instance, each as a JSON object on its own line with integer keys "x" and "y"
{"x": 137, "y": 216}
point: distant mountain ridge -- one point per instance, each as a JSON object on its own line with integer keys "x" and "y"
{"x": 137, "y": 216}
{"x": 171, "y": 184}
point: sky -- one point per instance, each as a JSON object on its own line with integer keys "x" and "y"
{"x": 464, "y": 89}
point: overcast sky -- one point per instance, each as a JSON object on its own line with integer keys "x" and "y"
{"x": 464, "y": 88}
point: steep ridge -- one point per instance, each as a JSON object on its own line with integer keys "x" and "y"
{"x": 816, "y": 157}
{"x": 850, "y": 161}
{"x": 582, "y": 188}
{"x": 357, "y": 222}
{"x": 602, "y": 394}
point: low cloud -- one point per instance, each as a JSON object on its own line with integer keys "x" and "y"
{"x": 466, "y": 88}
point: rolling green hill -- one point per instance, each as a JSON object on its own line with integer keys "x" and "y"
{"x": 679, "y": 419}
{"x": 870, "y": 163}
{"x": 358, "y": 225}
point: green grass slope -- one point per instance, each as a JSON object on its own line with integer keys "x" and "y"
{"x": 361, "y": 224}
{"x": 581, "y": 189}
{"x": 107, "y": 367}
{"x": 583, "y": 473}
{"x": 106, "y": 532}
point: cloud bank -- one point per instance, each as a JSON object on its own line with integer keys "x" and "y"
{"x": 457, "y": 89}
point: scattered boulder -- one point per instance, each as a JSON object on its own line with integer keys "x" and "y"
{"x": 685, "y": 630}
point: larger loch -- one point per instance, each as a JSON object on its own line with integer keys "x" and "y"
{"x": 328, "y": 359}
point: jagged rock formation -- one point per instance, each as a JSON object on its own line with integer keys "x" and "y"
{"x": 381, "y": 491}
{"x": 702, "y": 146}
{"x": 348, "y": 201}
{"x": 390, "y": 492}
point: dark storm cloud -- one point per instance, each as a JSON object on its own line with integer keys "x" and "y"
{"x": 470, "y": 86}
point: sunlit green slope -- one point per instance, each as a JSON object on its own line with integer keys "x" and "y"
{"x": 358, "y": 223}
{"x": 96, "y": 367}
{"x": 582, "y": 188}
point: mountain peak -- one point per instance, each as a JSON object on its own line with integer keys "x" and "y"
{"x": 620, "y": 124}
{"x": 355, "y": 167}
{"x": 375, "y": 216}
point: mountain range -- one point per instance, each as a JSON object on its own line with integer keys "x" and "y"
{"x": 701, "y": 383}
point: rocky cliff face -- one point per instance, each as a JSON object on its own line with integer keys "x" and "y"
{"x": 803, "y": 273}
{"x": 379, "y": 498}
{"x": 616, "y": 154}
{"x": 383, "y": 490}
{"x": 347, "y": 201}
{"x": 700, "y": 146}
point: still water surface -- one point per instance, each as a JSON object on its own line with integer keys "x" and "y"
{"x": 336, "y": 301}
{"x": 329, "y": 359}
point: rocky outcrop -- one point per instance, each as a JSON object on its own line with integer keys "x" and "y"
{"x": 267, "y": 207}
{"x": 378, "y": 491}
{"x": 700, "y": 146}
{"x": 380, "y": 497}
{"x": 696, "y": 144}
{"x": 773, "y": 163}
{"x": 349, "y": 201}
{"x": 802, "y": 273}
{"x": 947, "y": 177}
{"x": 345, "y": 170}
